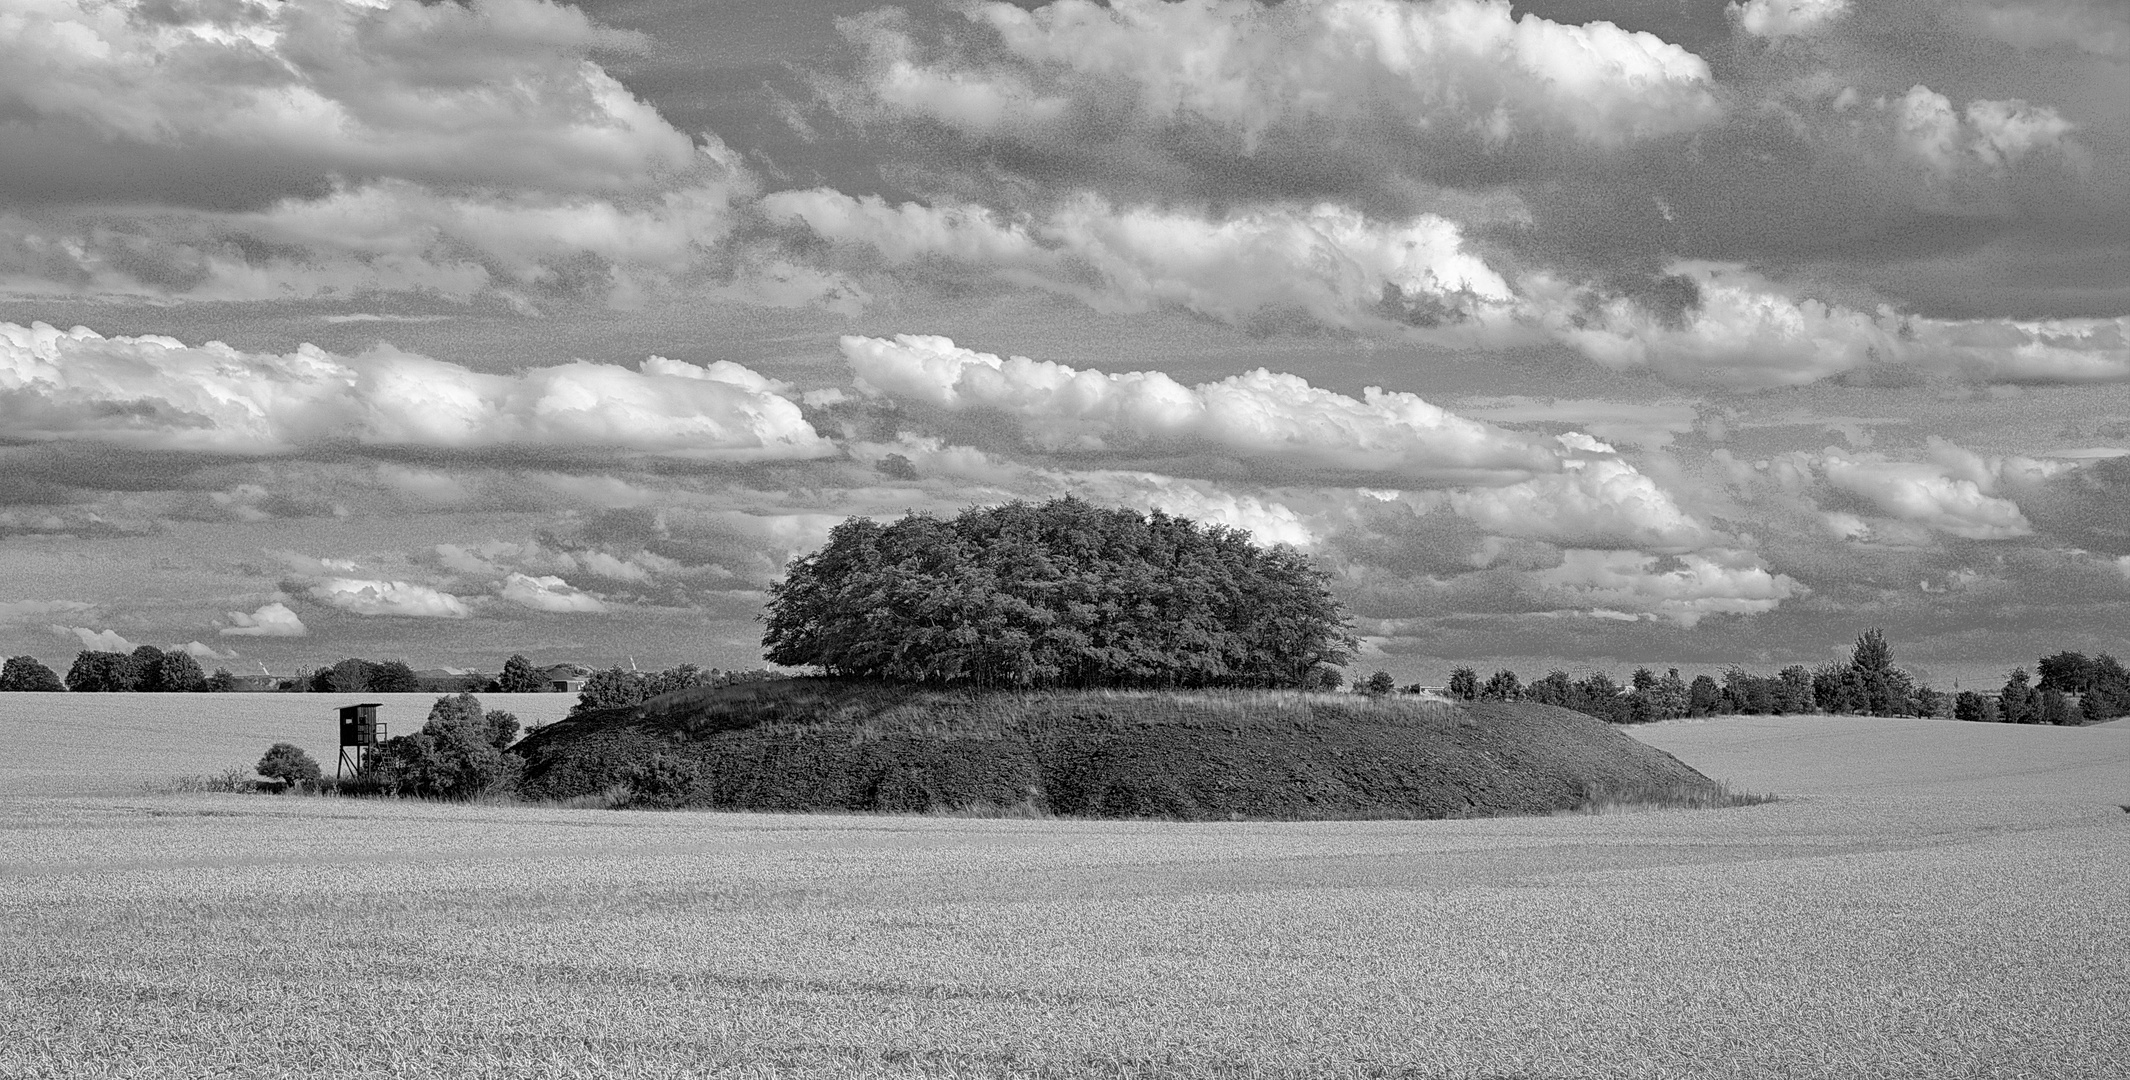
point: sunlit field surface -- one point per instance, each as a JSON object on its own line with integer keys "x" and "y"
{"x": 60, "y": 743}
{"x": 1930, "y": 899}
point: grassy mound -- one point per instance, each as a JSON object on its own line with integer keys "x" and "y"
{"x": 822, "y": 744}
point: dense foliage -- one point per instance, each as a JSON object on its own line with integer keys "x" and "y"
{"x": 146, "y": 669}
{"x": 354, "y": 675}
{"x": 458, "y": 754}
{"x": 288, "y": 765}
{"x": 521, "y": 677}
{"x": 1063, "y": 594}
{"x": 617, "y": 688}
{"x": 27, "y": 674}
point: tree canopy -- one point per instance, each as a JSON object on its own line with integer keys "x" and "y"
{"x": 1062, "y": 594}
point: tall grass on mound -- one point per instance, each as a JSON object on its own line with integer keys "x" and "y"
{"x": 835, "y": 745}
{"x": 1601, "y": 799}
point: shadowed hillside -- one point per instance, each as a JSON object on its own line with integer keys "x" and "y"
{"x": 823, "y": 744}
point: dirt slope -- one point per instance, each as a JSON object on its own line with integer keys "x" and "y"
{"x": 822, "y": 745}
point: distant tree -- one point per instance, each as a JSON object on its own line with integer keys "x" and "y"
{"x": 680, "y": 677}
{"x": 289, "y": 764}
{"x": 142, "y": 670}
{"x": 1502, "y": 686}
{"x": 350, "y": 676}
{"x": 1671, "y": 697}
{"x": 1703, "y": 697}
{"x": 521, "y": 677}
{"x": 1061, "y": 594}
{"x": 393, "y": 677}
{"x": 1932, "y": 703}
{"x": 1872, "y": 653}
{"x": 179, "y": 673}
{"x": 2107, "y": 693}
{"x": 1553, "y": 688}
{"x": 1597, "y": 695}
{"x": 27, "y": 674}
{"x": 1379, "y": 684}
{"x": 96, "y": 672}
{"x": 2055, "y": 708}
{"x": 2068, "y": 672}
{"x": 221, "y": 682}
{"x": 1464, "y": 684}
{"x": 1974, "y": 707}
{"x": 1323, "y": 677}
{"x": 1794, "y": 695}
{"x": 2017, "y": 702}
{"x": 613, "y": 688}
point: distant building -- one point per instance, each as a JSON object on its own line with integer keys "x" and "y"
{"x": 565, "y": 686}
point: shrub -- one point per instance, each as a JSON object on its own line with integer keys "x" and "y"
{"x": 1064, "y": 594}
{"x": 289, "y": 765}
{"x": 1379, "y": 684}
{"x": 27, "y": 674}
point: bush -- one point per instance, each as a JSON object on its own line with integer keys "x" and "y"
{"x": 287, "y": 764}
{"x": 27, "y": 674}
{"x": 1379, "y": 684}
{"x": 1064, "y": 594}
{"x": 458, "y": 754}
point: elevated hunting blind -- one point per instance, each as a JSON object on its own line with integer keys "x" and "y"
{"x": 360, "y": 732}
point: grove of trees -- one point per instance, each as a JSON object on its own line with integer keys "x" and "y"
{"x": 1061, "y": 594}
{"x": 146, "y": 669}
{"x": 458, "y": 754}
{"x": 355, "y": 675}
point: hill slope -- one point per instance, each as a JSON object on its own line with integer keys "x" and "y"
{"x": 820, "y": 744}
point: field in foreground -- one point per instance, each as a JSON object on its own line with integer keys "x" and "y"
{"x": 110, "y": 743}
{"x": 1931, "y": 900}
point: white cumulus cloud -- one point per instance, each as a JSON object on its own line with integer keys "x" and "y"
{"x": 1445, "y": 73}
{"x": 1258, "y": 415}
{"x": 97, "y": 640}
{"x": 367, "y": 597}
{"x": 1684, "y": 589}
{"x": 274, "y": 619}
{"x": 547, "y": 593}
{"x": 1327, "y": 262}
{"x": 154, "y": 392}
{"x": 1782, "y": 18}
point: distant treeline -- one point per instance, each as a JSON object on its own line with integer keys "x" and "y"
{"x": 151, "y": 670}
{"x": 2073, "y": 689}
{"x": 146, "y": 669}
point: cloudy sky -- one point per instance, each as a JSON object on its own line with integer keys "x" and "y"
{"x": 1584, "y": 333}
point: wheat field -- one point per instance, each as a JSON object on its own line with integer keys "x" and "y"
{"x": 1928, "y": 899}
{"x": 116, "y": 743}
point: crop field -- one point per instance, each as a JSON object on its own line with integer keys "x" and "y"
{"x": 111, "y": 743}
{"x": 1927, "y": 899}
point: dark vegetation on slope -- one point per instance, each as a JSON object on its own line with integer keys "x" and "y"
{"x": 846, "y": 745}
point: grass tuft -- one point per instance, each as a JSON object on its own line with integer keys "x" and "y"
{"x": 1598, "y": 799}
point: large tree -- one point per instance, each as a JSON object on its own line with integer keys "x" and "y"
{"x": 27, "y": 674}
{"x": 1058, "y": 594}
{"x": 95, "y": 671}
{"x": 521, "y": 677}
